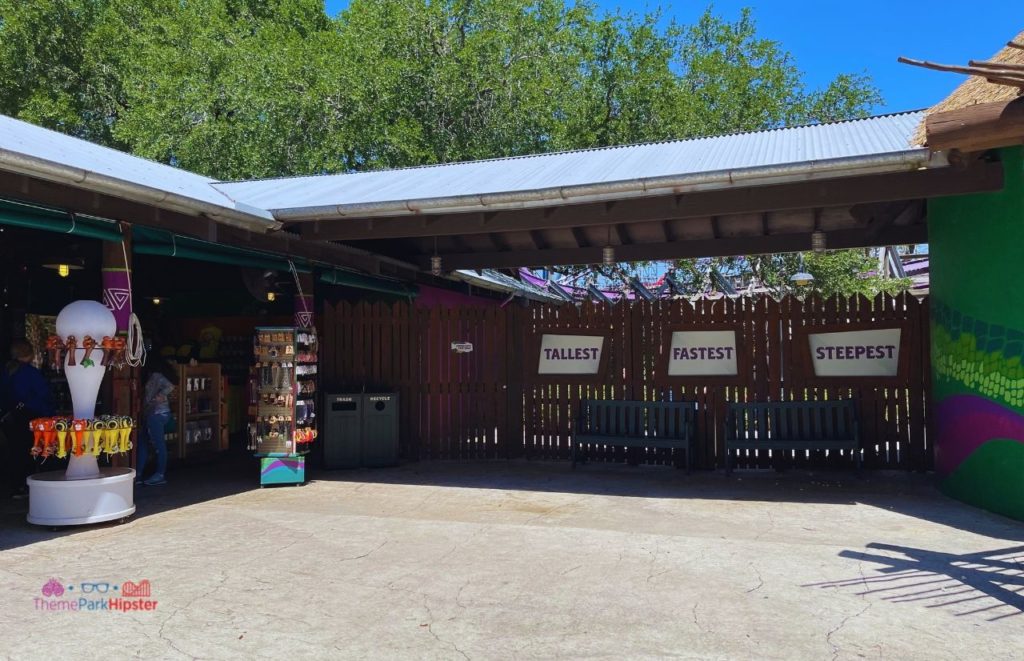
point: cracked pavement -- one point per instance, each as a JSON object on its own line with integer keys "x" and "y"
{"x": 526, "y": 560}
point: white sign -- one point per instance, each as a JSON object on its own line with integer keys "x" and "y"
{"x": 462, "y": 347}
{"x": 856, "y": 353}
{"x": 570, "y": 354}
{"x": 702, "y": 353}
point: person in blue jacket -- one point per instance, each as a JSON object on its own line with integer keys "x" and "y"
{"x": 24, "y": 395}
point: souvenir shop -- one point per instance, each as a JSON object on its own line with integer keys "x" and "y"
{"x": 235, "y": 326}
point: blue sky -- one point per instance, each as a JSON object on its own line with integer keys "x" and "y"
{"x": 829, "y": 37}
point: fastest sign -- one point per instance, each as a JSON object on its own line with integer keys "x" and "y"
{"x": 702, "y": 353}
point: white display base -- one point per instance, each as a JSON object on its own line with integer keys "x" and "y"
{"x": 55, "y": 500}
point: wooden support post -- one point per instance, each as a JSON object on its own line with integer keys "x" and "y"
{"x": 121, "y": 390}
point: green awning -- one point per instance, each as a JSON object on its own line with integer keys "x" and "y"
{"x": 368, "y": 282}
{"x": 30, "y": 216}
{"x": 148, "y": 241}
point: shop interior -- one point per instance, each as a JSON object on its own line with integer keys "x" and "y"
{"x": 199, "y": 313}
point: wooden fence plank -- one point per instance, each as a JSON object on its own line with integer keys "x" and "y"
{"x": 489, "y": 403}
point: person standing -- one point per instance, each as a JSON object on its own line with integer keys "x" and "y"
{"x": 24, "y": 395}
{"x": 156, "y": 410}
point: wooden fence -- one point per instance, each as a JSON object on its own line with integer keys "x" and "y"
{"x": 490, "y": 403}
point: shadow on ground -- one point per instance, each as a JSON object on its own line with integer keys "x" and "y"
{"x": 986, "y": 584}
{"x": 911, "y": 494}
{"x": 227, "y": 475}
{"x": 237, "y": 472}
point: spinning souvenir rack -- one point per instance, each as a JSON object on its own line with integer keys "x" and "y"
{"x": 85, "y": 492}
{"x": 283, "y": 403}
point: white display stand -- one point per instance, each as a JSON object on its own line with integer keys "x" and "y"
{"x": 56, "y": 500}
{"x": 85, "y": 493}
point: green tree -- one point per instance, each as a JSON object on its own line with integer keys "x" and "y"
{"x": 253, "y": 88}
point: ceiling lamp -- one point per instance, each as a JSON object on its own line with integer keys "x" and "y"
{"x": 436, "y": 268}
{"x": 818, "y": 242}
{"x": 157, "y": 300}
{"x": 271, "y": 296}
{"x": 64, "y": 270}
{"x": 608, "y": 252}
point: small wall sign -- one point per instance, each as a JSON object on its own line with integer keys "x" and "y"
{"x": 703, "y": 353}
{"x": 571, "y": 354}
{"x": 462, "y": 347}
{"x": 856, "y": 353}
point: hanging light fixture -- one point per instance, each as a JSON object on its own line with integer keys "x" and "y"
{"x": 818, "y": 242}
{"x": 271, "y": 296}
{"x": 157, "y": 300}
{"x": 608, "y": 252}
{"x": 435, "y": 262}
{"x": 801, "y": 279}
{"x": 65, "y": 269}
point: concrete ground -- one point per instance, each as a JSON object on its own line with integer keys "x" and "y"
{"x": 520, "y": 560}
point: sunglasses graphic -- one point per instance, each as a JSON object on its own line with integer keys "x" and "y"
{"x": 95, "y": 587}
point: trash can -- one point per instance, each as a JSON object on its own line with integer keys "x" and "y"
{"x": 380, "y": 429}
{"x": 343, "y": 431}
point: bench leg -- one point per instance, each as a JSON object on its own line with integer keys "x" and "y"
{"x": 860, "y": 462}
{"x": 728, "y": 462}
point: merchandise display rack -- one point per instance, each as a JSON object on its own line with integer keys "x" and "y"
{"x": 282, "y": 402}
{"x": 197, "y": 406}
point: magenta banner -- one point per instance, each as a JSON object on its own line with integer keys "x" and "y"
{"x": 117, "y": 296}
{"x": 303, "y": 311}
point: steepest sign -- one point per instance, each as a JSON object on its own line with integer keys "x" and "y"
{"x": 873, "y": 352}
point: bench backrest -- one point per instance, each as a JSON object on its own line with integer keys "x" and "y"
{"x": 633, "y": 418}
{"x": 793, "y": 421}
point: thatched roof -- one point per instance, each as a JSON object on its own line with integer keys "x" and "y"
{"x": 977, "y": 90}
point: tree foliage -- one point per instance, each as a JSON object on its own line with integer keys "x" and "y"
{"x": 253, "y": 88}
{"x": 256, "y": 88}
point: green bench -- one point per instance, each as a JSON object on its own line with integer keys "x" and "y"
{"x": 634, "y": 424}
{"x": 799, "y": 426}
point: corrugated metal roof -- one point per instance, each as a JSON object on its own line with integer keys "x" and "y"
{"x": 882, "y": 135}
{"x": 31, "y": 148}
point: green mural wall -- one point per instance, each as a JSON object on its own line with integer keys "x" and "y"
{"x": 976, "y": 245}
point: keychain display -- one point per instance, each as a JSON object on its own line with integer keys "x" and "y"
{"x": 111, "y": 349}
{"x": 283, "y": 409}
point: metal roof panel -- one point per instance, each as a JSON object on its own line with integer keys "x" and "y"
{"x": 886, "y": 134}
{"x": 21, "y": 139}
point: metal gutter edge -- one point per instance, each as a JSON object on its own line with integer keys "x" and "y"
{"x": 483, "y": 283}
{"x": 44, "y": 169}
{"x": 616, "y": 190}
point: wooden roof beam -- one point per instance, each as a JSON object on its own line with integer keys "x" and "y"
{"x": 776, "y": 243}
{"x": 978, "y": 127}
{"x": 845, "y": 191}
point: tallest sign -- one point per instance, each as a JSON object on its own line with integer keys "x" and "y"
{"x": 570, "y": 354}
